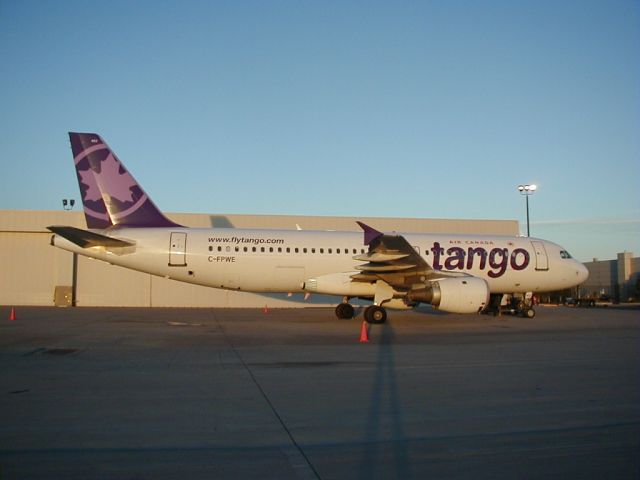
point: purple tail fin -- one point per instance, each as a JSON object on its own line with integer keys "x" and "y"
{"x": 110, "y": 195}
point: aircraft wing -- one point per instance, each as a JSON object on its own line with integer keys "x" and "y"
{"x": 391, "y": 258}
{"x": 88, "y": 239}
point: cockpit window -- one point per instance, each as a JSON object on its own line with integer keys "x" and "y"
{"x": 565, "y": 254}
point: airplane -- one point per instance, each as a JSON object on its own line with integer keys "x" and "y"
{"x": 451, "y": 272}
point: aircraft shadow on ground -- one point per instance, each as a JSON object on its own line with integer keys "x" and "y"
{"x": 385, "y": 414}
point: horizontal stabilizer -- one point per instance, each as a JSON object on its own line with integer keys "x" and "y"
{"x": 87, "y": 239}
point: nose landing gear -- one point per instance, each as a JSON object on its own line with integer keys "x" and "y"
{"x": 516, "y": 304}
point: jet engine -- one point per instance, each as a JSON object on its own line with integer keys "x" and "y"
{"x": 455, "y": 295}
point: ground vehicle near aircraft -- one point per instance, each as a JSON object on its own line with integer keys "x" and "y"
{"x": 453, "y": 273}
{"x": 590, "y": 301}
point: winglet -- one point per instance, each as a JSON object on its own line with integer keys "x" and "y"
{"x": 370, "y": 234}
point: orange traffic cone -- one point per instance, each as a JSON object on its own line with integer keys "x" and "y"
{"x": 12, "y": 314}
{"x": 265, "y": 310}
{"x": 364, "y": 333}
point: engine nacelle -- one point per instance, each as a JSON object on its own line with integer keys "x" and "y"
{"x": 455, "y": 295}
{"x": 339, "y": 284}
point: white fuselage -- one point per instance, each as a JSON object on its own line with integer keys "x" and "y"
{"x": 284, "y": 260}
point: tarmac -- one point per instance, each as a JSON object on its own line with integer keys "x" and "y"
{"x": 109, "y": 393}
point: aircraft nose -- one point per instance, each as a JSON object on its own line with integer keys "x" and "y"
{"x": 582, "y": 273}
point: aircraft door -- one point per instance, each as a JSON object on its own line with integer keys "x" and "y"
{"x": 178, "y": 249}
{"x": 542, "y": 261}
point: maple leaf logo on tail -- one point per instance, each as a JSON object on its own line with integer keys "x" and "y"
{"x": 95, "y": 210}
{"x": 114, "y": 184}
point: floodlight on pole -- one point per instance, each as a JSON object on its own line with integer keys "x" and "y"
{"x": 527, "y": 190}
{"x": 68, "y": 204}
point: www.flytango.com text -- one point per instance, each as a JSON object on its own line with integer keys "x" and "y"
{"x": 246, "y": 240}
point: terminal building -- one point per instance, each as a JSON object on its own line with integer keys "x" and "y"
{"x": 35, "y": 273}
{"x": 618, "y": 279}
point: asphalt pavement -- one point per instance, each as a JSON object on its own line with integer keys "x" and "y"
{"x": 108, "y": 393}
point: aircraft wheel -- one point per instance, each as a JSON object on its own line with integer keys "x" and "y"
{"x": 375, "y": 314}
{"x": 344, "y": 310}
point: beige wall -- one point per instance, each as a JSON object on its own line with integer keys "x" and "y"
{"x": 30, "y": 268}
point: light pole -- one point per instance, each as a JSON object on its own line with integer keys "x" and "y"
{"x": 527, "y": 190}
{"x": 67, "y": 204}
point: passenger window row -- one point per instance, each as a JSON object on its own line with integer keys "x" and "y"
{"x": 336, "y": 251}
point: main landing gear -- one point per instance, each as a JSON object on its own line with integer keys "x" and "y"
{"x": 345, "y": 311}
{"x": 372, "y": 314}
{"x": 375, "y": 314}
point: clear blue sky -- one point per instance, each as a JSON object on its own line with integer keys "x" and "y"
{"x": 411, "y": 109}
